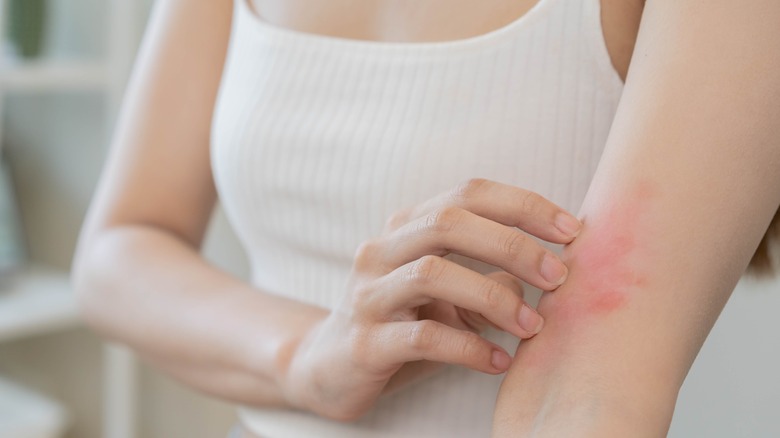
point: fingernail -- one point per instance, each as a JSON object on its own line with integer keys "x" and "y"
{"x": 553, "y": 270}
{"x": 567, "y": 224}
{"x": 530, "y": 321}
{"x": 500, "y": 360}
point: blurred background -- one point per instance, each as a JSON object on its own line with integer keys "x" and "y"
{"x": 63, "y": 67}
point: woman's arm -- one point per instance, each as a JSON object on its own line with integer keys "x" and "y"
{"x": 688, "y": 183}
{"x": 138, "y": 272}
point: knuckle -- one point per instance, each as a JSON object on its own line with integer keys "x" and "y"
{"x": 513, "y": 284}
{"x": 493, "y": 295}
{"x": 471, "y": 346}
{"x": 531, "y": 203}
{"x": 426, "y": 270}
{"x": 443, "y": 220}
{"x": 360, "y": 341}
{"x": 367, "y": 253}
{"x": 362, "y": 297}
{"x": 423, "y": 335}
{"x": 514, "y": 244}
{"x": 396, "y": 220}
{"x": 470, "y": 188}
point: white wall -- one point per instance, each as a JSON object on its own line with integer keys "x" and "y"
{"x": 733, "y": 388}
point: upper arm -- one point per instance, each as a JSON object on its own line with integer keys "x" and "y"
{"x": 158, "y": 172}
{"x": 688, "y": 182}
{"x": 685, "y": 190}
{"x": 689, "y": 179}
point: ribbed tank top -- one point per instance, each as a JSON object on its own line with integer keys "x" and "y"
{"x": 317, "y": 140}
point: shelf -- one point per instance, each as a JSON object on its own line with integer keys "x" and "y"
{"x": 25, "y": 414}
{"x": 52, "y": 75}
{"x": 34, "y": 301}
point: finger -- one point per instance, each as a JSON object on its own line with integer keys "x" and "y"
{"x": 507, "y": 205}
{"x": 509, "y": 281}
{"x": 434, "y": 278}
{"x": 463, "y": 232}
{"x": 506, "y": 279}
{"x": 397, "y": 220}
{"x": 408, "y": 341}
{"x": 411, "y": 373}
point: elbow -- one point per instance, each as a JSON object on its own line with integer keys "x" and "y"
{"x": 91, "y": 280}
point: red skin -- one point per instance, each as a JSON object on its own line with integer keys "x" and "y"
{"x": 603, "y": 272}
{"x": 603, "y": 268}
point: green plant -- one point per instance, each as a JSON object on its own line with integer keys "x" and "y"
{"x": 26, "y": 26}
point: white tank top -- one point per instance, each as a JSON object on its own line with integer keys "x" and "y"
{"x": 317, "y": 140}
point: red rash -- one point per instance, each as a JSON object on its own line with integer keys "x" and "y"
{"x": 604, "y": 275}
{"x": 603, "y": 271}
{"x": 601, "y": 264}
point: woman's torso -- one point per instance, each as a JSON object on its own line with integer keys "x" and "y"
{"x": 317, "y": 140}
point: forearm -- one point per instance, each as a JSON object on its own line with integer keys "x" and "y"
{"x": 620, "y": 335}
{"x": 595, "y": 370}
{"x": 145, "y": 288}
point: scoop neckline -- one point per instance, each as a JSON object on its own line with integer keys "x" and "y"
{"x": 313, "y": 39}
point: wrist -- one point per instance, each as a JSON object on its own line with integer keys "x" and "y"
{"x": 578, "y": 413}
{"x": 581, "y": 396}
{"x": 268, "y": 345}
{"x": 584, "y": 410}
{"x": 288, "y": 367}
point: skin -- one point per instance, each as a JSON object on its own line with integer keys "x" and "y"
{"x": 684, "y": 192}
{"x": 603, "y": 263}
{"x": 606, "y": 270}
{"x": 437, "y": 20}
{"x": 138, "y": 255}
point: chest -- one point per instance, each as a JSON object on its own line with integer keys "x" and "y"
{"x": 437, "y": 20}
{"x": 316, "y": 142}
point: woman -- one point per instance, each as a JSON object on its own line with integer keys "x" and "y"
{"x": 340, "y": 135}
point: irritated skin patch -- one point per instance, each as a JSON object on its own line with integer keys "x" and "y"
{"x": 605, "y": 274}
{"x": 602, "y": 261}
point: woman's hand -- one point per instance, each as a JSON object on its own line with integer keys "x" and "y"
{"x": 407, "y": 303}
